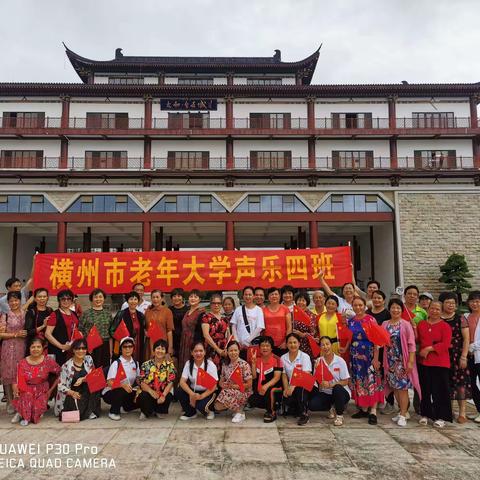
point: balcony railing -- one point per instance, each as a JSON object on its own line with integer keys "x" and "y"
{"x": 440, "y": 163}
{"x": 47, "y": 122}
{"x": 188, "y": 123}
{"x": 329, "y": 163}
{"x": 271, "y": 123}
{"x": 213, "y": 163}
{"x": 351, "y": 123}
{"x": 125, "y": 163}
{"x": 106, "y": 123}
{"x": 43, "y": 163}
{"x": 433, "y": 123}
{"x": 294, "y": 163}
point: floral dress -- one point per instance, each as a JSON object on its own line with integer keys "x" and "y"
{"x": 31, "y": 405}
{"x": 367, "y": 386}
{"x": 397, "y": 376}
{"x": 232, "y": 398}
{"x": 13, "y": 349}
{"x": 218, "y": 331}
{"x": 460, "y": 387}
{"x": 311, "y": 330}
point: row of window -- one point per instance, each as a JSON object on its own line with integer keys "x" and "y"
{"x": 192, "y": 81}
{"x": 190, "y": 120}
{"x": 193, "y": 204}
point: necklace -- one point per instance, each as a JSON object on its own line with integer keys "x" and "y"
{"x": 78, "y": 366}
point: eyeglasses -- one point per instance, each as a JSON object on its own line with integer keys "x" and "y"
{"x": 127, "y": 346}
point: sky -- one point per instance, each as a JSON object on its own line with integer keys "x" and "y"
{"x": 364, "y": 41}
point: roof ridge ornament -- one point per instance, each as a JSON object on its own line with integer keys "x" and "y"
{"x": 118, "y": 53}
{"x": 278, "y": 56}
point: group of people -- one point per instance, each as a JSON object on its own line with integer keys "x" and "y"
{"x": 274, "y": 351}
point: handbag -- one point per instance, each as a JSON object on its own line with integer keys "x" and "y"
{"x": 73, "y": 416}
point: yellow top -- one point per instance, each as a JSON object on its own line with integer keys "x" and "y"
{"x": 327, "y": 326}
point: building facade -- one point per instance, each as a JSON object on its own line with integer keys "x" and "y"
{"x": 169, "y": 153}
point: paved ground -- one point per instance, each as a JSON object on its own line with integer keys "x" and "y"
{"x": 172, "y": 449}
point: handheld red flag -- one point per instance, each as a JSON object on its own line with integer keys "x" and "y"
{"x": 95, "y": 380}
{"x": 76, "y": 334}
{"x": 302, "y": 379}
{"x": 322, "y": 372}
{"x": 301, "y": 316}
{"x": 314, "y": 346}
{"x": 155, "y": 332}
{"x": 120, "y": 377}
{"x": 94, "y": 339}
{"x": 121, "y": 331}
{"x": 21, "y": 381}
{"x": 237, "y": 377}
{"x": 344, "y": 334}
{"x": 204, "y": 379}
{"x": 375, "y": 333}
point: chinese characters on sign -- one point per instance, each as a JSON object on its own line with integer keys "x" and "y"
{"x": 205, "y": 270}
{"x": 188, "y": 104}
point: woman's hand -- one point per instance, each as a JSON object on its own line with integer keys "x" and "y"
{"x": 21, "y": 333}
{"x": 15, "y": 391}
{"x": 288, "y": 392}
{"x": 160, "y": 399}
{"x": 262, "y": 390}
{"x": 425, "y": 351}
{"x": 193, "y": 399}
{"x": 409, "y": 368}
{"x": 325, "y": 384}
{"x": 73, "y": 394}
{"x": 66, "y": 346}
{"x": 462, "y": 362}
{"x": 127, "y": 387}
{"x": 376, "y": 365}
{"x": 79, "y": 382}
{"x": 342, "y": 350}
{"x": 153, "y": 394}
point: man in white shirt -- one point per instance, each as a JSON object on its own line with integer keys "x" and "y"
{"x": 247, "y": 320}
{"x": 142, "y": 304}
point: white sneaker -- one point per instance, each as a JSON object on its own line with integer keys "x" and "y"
{"x": 402, "y": 421}
{"x": 423, "y": 421}
{"x": 24, "y": 423}
{"x": 16, "y": 418}
{"x": 238, "y": 418}
{"x": 186, "y": 417}
{"x": 114, "y": 416}
{"x": 331, "y": 413}
{"x": 210, "y": 416}
{"x": 396, "y": 417}
{"x": 122, "y": 410}
{"x": 439, "y": 423}
{"x": 92, "y": 416}
{"x": 142, "y": 416}
{"x": 338, "y": 422}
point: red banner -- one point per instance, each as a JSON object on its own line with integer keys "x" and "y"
{"x": 205, "y": 270}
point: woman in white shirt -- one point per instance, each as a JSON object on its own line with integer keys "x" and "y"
{"x": 295, "y": 399}
{"x": 192, "y": 396}
{"x": 331, "y": 393}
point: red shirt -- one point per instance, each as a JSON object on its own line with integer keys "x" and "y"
{"x": 438, "y": 336}
{"x": 265, "y": 370}
{"x": 69, "y": 320}
{"x": 276, "y": 324}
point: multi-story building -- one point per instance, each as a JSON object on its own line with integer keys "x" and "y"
{"x": 214, "y": 152}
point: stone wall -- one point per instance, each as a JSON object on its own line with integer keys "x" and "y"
{"x": 434, "y": 225}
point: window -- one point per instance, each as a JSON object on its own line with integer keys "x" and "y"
{"x": 188, "y": 203}
{"x": 433, "y": 120}
{"x": 188, "y": 160}
{"x": 178, "y": 121}
{"x": 25, "y": 204}
{"x": 104, "y": 204}
{"x": 24, "y": 119}
{"x": 435, "y": 158}
{"x": 107, "y": 120}
{"x": 195, "y": 81}
{"x": 126, "y": 80}
{"x": 271, "y": 203}
{"x": 354, "y": 203}
{"x": 281, "y": 160}
{"x": 264, "y": 81}
{"x": 21, "y": 159}
{"x": 351, "y": 120}
{"x": 270, "y": 120}
{"x": 102, "y": 160}
{"x": 352, "y": 159}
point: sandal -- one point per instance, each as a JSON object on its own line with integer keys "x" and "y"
{"x": 269, "y": 418}
{"x": 423, "y": 421}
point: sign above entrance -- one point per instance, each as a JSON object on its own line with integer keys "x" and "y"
{"x": 205, "y": 270}
{"x": 188, "y": 104}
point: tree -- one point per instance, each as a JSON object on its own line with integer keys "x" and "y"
{"x": 454, "y": 275}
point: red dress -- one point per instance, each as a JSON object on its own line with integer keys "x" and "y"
{"x": 217, "y": 328}
{"x": 189, "y": 325}
{"x": 32, "y": 405}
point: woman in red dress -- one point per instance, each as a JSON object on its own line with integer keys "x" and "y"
{"x": 278, "y": 321}
{"x": 32, "y": 389}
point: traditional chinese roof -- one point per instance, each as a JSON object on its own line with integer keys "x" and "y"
{"x": 85, "y": 67}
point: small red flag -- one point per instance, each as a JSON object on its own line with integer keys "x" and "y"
{"x": 94, "y": 339}
{"x": 155, "y": 332}
{"x": 121, "y": 331}
{"x": 322, "y": 372}
{"x": 204, "y": 379}
{"x": 314, "y": 346}
{"x": 76, "y": 334}
{"x": 120, "y": 377}
{"x": 300, "y": 316}
{"x": 302, "y": 379}
{"x": 344, "y": 334}
{"x": 21, "y": 381}
{"x": 375, "y": 333}
{"x": 237, "y": 377}
{"x": 95, "y": 380}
